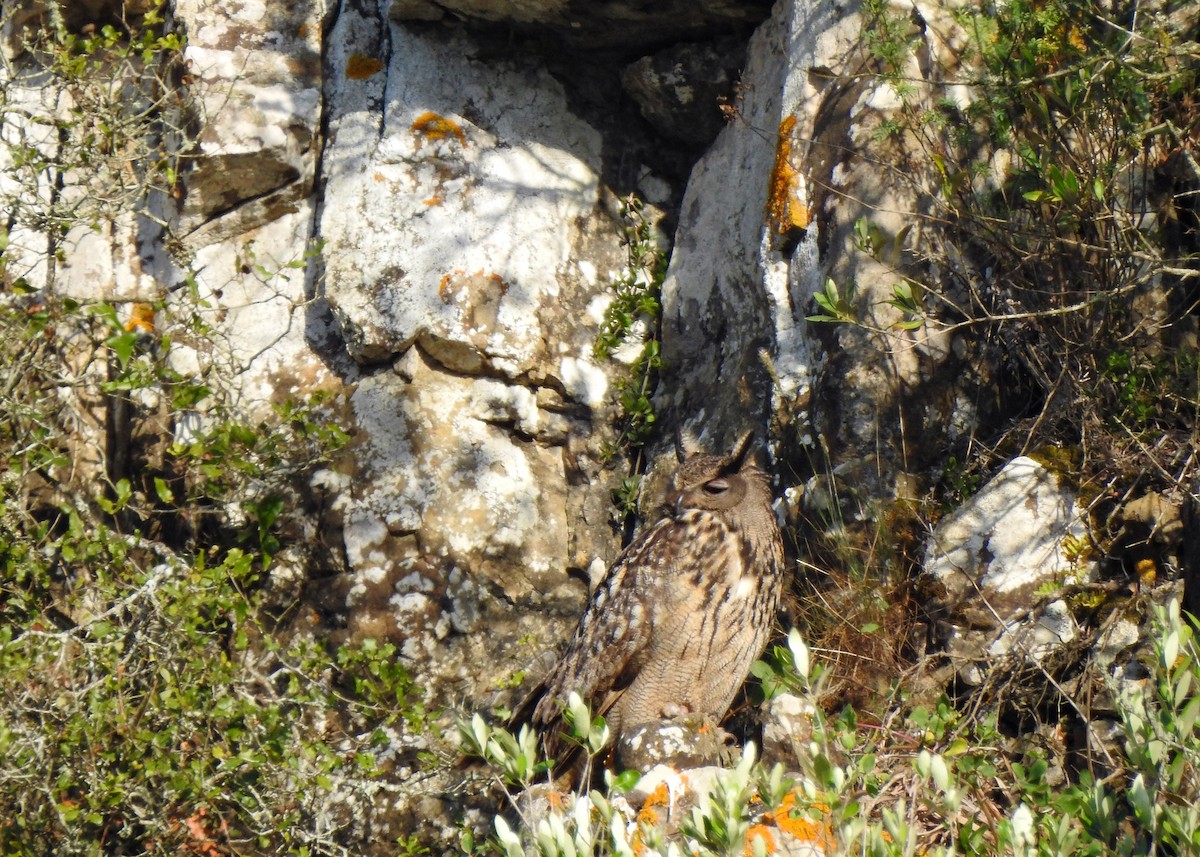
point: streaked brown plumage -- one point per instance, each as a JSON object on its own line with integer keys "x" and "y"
{"x": 685, "y": 609}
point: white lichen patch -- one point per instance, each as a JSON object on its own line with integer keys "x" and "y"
{"x": 445, "y": 463}
{"x": 490, "y": 199}
{"x": 583, "y": 380}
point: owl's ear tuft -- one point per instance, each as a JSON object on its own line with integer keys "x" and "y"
{"x": 686, "y": 443}
{"x": 742, "y": 453}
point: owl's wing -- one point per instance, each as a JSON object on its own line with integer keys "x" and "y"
{"x": 613, "y": 639}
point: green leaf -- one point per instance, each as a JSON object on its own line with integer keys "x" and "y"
{"x": 163, "y": 490}
{"x": 107, "y": 313}
{"x": 624, "y": 782}
{"x": 123, "y": 345}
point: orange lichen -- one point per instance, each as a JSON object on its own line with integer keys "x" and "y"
{"x": 1076, "y": 40}
{"x": 433, "y": 200}
{"x": 661, "y": 796}
{"x": 458, "y": 281}
{"x": 785, "y": 210}
{"x": 361, "y": 66}
{"x": 799, "y": 827}
{"x": 759, "y": 831}
{"x": 444, "y": 288}
{"x": 431, "y": 126}
{"x": 648, "y": 816}
{"x": 141, "y": 317}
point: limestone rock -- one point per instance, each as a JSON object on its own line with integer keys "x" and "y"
{"x": 614, "y": 25}
{"x": 682, "y": 742}
{"x": 730, "y": 293}
{"x": 441, "y": 475}
{"x": 1022, "y": 532}
{"x": 469, "y": 191}
{"x": 257, "y": 69}
{"x": 787, "y": 729}
{"x": 679, "y": 89}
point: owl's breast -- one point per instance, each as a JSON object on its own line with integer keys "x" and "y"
{"x": 707, "y": 633}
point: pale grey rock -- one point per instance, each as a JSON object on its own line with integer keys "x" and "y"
{"x": 443, "y": 475}
{"x": 1008, "y": 537}
{"x": 787, "y": 729}
{"x": 434, "y": 469}
{"x": 462, "y": 187}
{"x": 257, "y": 71}
{"x": 730, "y": 292}
{"x": 1023, "y": 531}
{"x": 681, "y": 743}
{"x": 108, "y": 252}
{"x": 261, "y": 305}
{"x": 467, "y": 258}
{"x": 1120, "y": 636}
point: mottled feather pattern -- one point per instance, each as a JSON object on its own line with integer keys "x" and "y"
{"x": 685, "y": 609}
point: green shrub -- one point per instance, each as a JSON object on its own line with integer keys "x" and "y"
{"x": 1061, "y": 224}
{"x": 150, "y": 702}
{"x": 153, "y": 699}
{"x": 933, "y": 781}
{"x": 633, "y": 320}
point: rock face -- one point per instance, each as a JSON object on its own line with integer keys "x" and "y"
{"x": 1022, "y": 532}
{"x": 466, "y": 255}
{"x": 459, "y": 234}
{"x": 601, "y": 25}
{"x": 408, "y": 207}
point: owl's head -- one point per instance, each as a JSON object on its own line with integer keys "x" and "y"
{"x": 721, "y": 482}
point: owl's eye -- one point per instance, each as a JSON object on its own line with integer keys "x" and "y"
{"x": 716, "y": 486}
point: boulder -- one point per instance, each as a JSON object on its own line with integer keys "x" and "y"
{"x": 998, "y": 560}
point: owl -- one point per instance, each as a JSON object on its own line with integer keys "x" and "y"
{"x": 684, "y": 611}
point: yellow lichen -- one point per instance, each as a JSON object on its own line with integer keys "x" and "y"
{"x": 759, "y": 831}
{"x": 799, "y": 827}
{"x": 361, "y": 66}
{"x": 431, "y": 126}
{"x": 1147, "y": 571}
{"x": 1076, "y": 40}
{"x": 141, "y": 317}
{"x": 785, "y": 210}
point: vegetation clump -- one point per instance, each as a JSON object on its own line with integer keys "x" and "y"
{"x": 1050, "y": 263}
{"x": 158, "y": 693}
{"x": 922, "y": 779}
{"x": 1062, "y": 220}
{"x": 631, "y": 333}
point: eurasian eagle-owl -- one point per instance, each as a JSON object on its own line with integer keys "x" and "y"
{"x": 683, "y": 612}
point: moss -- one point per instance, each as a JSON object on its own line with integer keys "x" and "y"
{"x": 1065, "y": 464}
